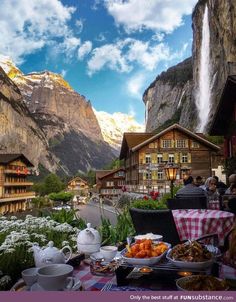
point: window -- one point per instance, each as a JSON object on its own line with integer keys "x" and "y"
{"x": 180, "y": 143}
{"x": 110, "y": 183}
{"x": 121, "y": 183}
{"x": 166, "y": 143}
{"x": 171, "y": 158}
{"x": 159, "y": 158}
{"x": 160, "y": 175}
{"x": 120, "y": 174}
{"x": 184, "y": 158}
{"x": 195, "y": 144}
{"x": 148, "y": 175}
{"x": 148, "y": 158}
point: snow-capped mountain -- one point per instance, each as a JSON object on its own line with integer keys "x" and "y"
{"x": 114, "y": 125}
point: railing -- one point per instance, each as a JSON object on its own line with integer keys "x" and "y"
{"x": 23, "y": 194}
{"x": 22, "y": 183}
{"x": 17, "y": 170}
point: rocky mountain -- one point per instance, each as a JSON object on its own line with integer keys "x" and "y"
{"x": 19, "y": 131}
{"x": 172, "y": 97}
{"x": 66, "y": 119}
{"x": 114, "y": 125}
{"x": 168, "y": 99}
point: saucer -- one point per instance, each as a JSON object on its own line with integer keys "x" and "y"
{"x": 36, "y": 287}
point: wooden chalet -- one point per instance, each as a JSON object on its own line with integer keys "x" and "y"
{"x": 78, "y": 186}
{"x": 145, "y": 160}
{"x": 110, "y": 184}
{"x": 14, "y": 186}
{"x": 224, "y": 122}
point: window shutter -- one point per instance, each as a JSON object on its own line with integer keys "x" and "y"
{"x": 165, "y": 156}
{"x": 172, "y": 143}
{"x": 180, "y": 155}
{"x": 186, "y": 143}
{"x": 176, "y": 158}
{"x": 189, "y": 158}
{"x": 141, "y": 158}
{"x": 154, "y": 175}
{"x": 154, "y": 158}
{"x": 161, "y": 143}
{"x": 144, "y": 176}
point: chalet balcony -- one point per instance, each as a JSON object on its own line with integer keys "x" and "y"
{"x": 18, "y": 184}
{"x": 17, "y": 196}
{"x": 17, "y": 170}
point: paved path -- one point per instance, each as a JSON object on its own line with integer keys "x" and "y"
{"x": 92, "y": 213}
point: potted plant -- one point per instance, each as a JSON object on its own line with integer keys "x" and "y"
{"x": 144, "y": 213}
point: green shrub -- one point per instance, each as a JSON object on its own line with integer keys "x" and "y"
{"x": 148, "y": 204}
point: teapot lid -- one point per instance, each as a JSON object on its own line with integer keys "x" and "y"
{"x": 89, "y": 236}
{"x": 50, "y": 250}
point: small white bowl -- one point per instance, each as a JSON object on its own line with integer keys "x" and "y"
{"x": 30, "y": 275}
{"x": 108, "y": 251}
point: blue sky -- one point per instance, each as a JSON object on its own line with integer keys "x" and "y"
{"x": 108, "y": 50}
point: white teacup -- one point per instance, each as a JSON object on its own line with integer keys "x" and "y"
{"x": 108, "y": 252}
{"x": 30, "y": 275}
{"x": 56, "y": 277}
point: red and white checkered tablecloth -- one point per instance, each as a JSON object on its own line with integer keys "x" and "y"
{"x": 91, "y": 282}
{"x": 192, "y": 224}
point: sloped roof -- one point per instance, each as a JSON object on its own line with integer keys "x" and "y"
{"x": 112, "y": 171}
{"x": 78, "y": 178}
{"x": 7, "y": 158}
{"x": 131, "y": 139}
{"x": 182, "y": 129}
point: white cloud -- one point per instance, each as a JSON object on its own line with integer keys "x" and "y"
{"x": 27, "y": 26}
{"x": 157, "y": 15}
{"x": 109, "y": 55}
{"x": 69, "y": 46}
{"x": 101, "y": 38}
{"x": 79, "y": 24}
{"x": 84, "y": 49}
{"x": 63, "y": 73}
{"x": 122, "y": 55}
{"x": 136, "y": 85}
{"x": 158, "y": 37}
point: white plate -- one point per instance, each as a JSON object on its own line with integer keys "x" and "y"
{"x": 144, "y": 261}
{"x": 151, "y": 236}
{"x": 192, "y": 265}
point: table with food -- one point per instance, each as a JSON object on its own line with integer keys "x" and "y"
{"x": 146, "y": 263}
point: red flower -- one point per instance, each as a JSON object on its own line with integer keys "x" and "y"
{"x": 145, "y": 197}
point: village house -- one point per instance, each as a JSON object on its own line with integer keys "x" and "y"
{"x": 14, "y": 186}
{"x": 110, "y": 183}
{"x": 145, "y": 156}
{"x": 78, "y": 186}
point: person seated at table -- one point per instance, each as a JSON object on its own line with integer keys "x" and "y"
{"x": 198, "y": 181}
{"x": 232, "y": 180}
{"x": 211, "y": 192}
{"x": 190, "y": 189}
{"x": 220, "y": 185}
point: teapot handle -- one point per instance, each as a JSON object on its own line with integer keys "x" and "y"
{"x": 67, "y": 247}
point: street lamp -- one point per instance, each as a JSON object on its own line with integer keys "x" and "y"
{"x": 171, "y": 171}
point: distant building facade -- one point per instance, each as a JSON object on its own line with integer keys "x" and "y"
{"x": 78, "y": 186}
{"x": 145, "y": 160}
{"x": 111, "y": 183}
{"x": 14, "y": 187}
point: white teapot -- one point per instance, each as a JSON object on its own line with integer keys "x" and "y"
{"x": 88, "y": 240}
{"x": 50, "y": 255}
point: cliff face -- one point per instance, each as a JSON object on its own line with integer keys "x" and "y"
{"x": 163, "y": 97}
{"x": 169, "y": 98}
{"x": 19, "y": 133}
{"x": 71, "y": 135}
{"x": 222, "y": 23}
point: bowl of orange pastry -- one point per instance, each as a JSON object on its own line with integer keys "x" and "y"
{"x": 145, "y": 252}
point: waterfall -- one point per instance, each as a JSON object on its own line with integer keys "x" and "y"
{"x": 204, "y": 82}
